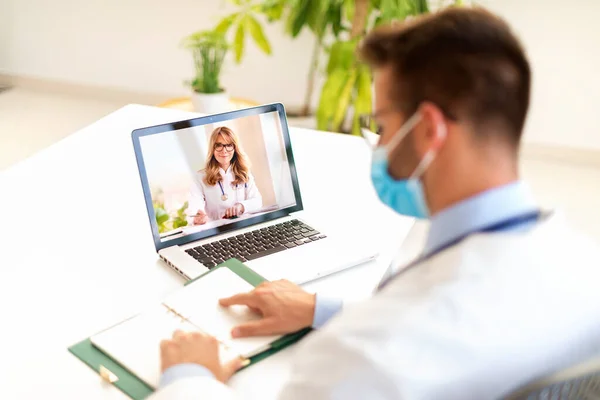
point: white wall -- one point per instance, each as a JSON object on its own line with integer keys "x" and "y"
{"x": 562, "y": 39}
{"x": 134, "y": 45}
{"x": 278, "y": 161}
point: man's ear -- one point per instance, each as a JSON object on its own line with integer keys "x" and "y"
{"x": 434, "y": 125}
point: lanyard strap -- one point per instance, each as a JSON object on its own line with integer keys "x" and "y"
{"x": 505, "y": 224}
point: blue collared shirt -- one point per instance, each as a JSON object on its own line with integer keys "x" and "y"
{"x": 470, "y": 215}
{"x": 478, "y": 212}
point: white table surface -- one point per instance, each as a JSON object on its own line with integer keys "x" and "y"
{"x": 77, "y": 253}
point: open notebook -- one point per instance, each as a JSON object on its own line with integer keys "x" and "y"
{"x": 135, "y": 343}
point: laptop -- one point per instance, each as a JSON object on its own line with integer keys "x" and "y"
{"x": 194, "y": 171}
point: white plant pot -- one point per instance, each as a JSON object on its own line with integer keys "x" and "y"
{"x": 210, "y": 103}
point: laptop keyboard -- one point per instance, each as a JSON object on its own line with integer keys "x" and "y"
{"x": 256, "y": 244}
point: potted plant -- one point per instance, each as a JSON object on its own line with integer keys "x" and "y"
{"x": 338, "y": 26}
{"x": 208, "y": 50}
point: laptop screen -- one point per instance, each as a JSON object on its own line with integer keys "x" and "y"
{"x": 214, "y": 174}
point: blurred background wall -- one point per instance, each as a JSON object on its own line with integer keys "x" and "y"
{"x": 133, "y": 45}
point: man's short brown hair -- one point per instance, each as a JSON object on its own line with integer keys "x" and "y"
{"x": 465, "y": 60}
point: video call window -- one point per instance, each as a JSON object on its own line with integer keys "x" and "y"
{"x": 212, "y": 175}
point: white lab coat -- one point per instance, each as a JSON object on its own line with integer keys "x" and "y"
{"x": 208, "y": 198}
{"x": 473, "y": 322}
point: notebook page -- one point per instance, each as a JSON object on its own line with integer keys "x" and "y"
{"x": 135, "y": 343}
{"x": 199, "y": 303}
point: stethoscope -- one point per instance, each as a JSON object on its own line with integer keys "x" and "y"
{"x": 224, "y": 196}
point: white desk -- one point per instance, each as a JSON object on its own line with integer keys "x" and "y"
{"x": 77, "y": 252}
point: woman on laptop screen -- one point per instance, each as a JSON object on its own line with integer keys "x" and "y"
{"x": 225, "y": 188}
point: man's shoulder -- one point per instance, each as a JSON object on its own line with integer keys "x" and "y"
{"x": 554, "y": 236}
{"x": 548, "y": 257}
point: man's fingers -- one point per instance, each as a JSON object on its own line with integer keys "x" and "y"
{"x": 243, "y": 299}
{"x": 231, "y": 367}
{"x": 165, "y": 345}
{"x": 261, "y": 327}
{"x": 255, "y": 310}
{"x": 178, "y": 334}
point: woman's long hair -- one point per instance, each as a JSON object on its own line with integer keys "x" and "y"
{"x": 240, "y": 164}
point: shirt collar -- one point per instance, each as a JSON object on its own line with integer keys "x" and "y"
{"x": 478, "y": 212}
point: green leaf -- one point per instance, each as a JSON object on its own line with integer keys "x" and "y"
{"x": 208, "y": 50}
{"x": 205, "y": 39}
{"x": 273, "y": 9}
{"x": 344, "y": 101}
{"x": 363, "y": 99}
{"x": 298, "y": 17}
{"x": 226, "y": 23}
{"x": 334, "y": 17}
{"x": 238, "y": 42}
{"x": 329, "y": 97}
{"x": 181, "y": 210}
{"x": 179, "y": 222}
{"x": 422, "y": 7}
{"x": 313, "y": 14}
{"x": 349, "y": 8}
{"x": 404, "y": 8}
{"x": 389, "y": 10}
{"x": 318, "y": 15}
{"x": 258, "y": 34}
{"x": 161, "y": 215}
{"x": 363, "y": 102}
{"x": 342, "y": 55}
{"x": 335, "y": 55}
{"x": 407, "y": 8}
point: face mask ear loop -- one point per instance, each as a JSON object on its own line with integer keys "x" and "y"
{"x": 402, "y": 132}
{"x": 430, "y": 155}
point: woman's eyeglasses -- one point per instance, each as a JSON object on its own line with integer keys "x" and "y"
{"x": 220, "y": 146}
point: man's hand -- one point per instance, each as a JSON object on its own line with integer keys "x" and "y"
{"x": 284, "y": 306}
{"x": 200, "y": 218}
{"x": 235, "y": 211}
{"x": 196, "y": 348}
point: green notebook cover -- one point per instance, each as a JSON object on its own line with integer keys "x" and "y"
{"x": 137, "y": 389}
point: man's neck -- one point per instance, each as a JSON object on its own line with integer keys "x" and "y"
{"x": 460, "y": 185}
{"x": 467, "y": 167}
{"x": 464, "y": 192}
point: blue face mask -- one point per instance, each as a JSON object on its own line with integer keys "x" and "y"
{"x": 405, "y": 196}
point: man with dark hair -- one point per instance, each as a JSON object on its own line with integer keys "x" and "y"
{"x": 503, "y": 292}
